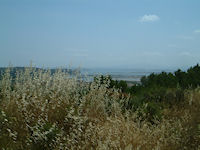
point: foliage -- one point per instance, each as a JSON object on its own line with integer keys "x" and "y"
{"x": 190, "y": 78}
{"x": 40, "y": 110}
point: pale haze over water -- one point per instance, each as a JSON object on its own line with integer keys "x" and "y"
{"x": 121, "y": 74}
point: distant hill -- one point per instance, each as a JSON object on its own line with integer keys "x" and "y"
{"x": 14, "y": 70}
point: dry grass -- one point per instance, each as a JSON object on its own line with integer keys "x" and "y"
{"x": 41, "y": 111}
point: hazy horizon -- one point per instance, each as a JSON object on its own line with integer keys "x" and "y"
{"x": 132, "y": 34}
{"x": 103, "y": 69}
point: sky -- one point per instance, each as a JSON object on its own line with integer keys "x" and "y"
{"x": 142, "y": 34}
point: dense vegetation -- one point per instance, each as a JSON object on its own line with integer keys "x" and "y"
{"x": 41, "y": 111}
{"x": 157, "y": 90}
{"x": 178, "y": 79}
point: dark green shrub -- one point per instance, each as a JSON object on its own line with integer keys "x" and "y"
{"x": 170, "y": 97}
{"x": 150, "y": 112}
{"x": 179, "y": 96}
{"x": 153, "y": 111}
{"x": 155, "y": 94}
{"x": 122, "y": 85}
{"x": 133, "y": 103}
{"x": 174, "y": 96}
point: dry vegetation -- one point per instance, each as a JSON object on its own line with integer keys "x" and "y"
{"x": 42, "y": 111}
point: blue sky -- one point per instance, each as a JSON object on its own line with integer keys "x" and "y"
{"x": 149, "y": 34}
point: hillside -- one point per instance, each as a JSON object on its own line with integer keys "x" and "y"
{"x": 41, "y": 111}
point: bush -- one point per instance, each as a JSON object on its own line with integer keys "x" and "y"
{"x": 150, "y": 112}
